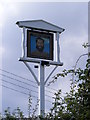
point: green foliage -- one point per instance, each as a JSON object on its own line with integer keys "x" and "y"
{"x": 76, "y": 104}
{"x": 17, "y": 113}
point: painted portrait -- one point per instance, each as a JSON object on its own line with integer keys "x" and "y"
{"x": 40, "y": 45}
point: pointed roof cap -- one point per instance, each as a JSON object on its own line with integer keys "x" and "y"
{"x": 40, "y": 25}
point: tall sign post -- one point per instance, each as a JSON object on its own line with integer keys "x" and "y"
{"x": 38, "y": 47}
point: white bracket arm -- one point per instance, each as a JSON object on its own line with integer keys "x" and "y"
{"x": 50, "y": 75}
{"x": 31, "y": 72}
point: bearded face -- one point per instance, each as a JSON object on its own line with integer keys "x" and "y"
{"x": 40, "y": 45}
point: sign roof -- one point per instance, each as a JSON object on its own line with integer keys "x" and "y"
{"x": 40, "y": 25}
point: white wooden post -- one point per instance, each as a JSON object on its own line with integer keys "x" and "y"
{"x": 41, "y": 91}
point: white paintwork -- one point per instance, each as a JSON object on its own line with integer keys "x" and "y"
{"x": 31, "y": 72}
{"x": 50, "y": 75}
{"x": 58, "y": 47}
{"x": 41, "y": 91}
{"x": 23, "y": 42}
{"x": 39, "y": 60}
{"x": 40, "y": 24}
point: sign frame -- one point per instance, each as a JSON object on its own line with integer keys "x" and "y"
{"x": 48, "y": 39}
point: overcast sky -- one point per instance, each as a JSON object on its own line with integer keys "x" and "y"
{"x": 72, "y": 16}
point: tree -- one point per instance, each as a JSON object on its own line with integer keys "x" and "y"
{"x": 76, "y": 104}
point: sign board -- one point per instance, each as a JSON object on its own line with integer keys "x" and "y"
{"x": 39, "y": 45}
